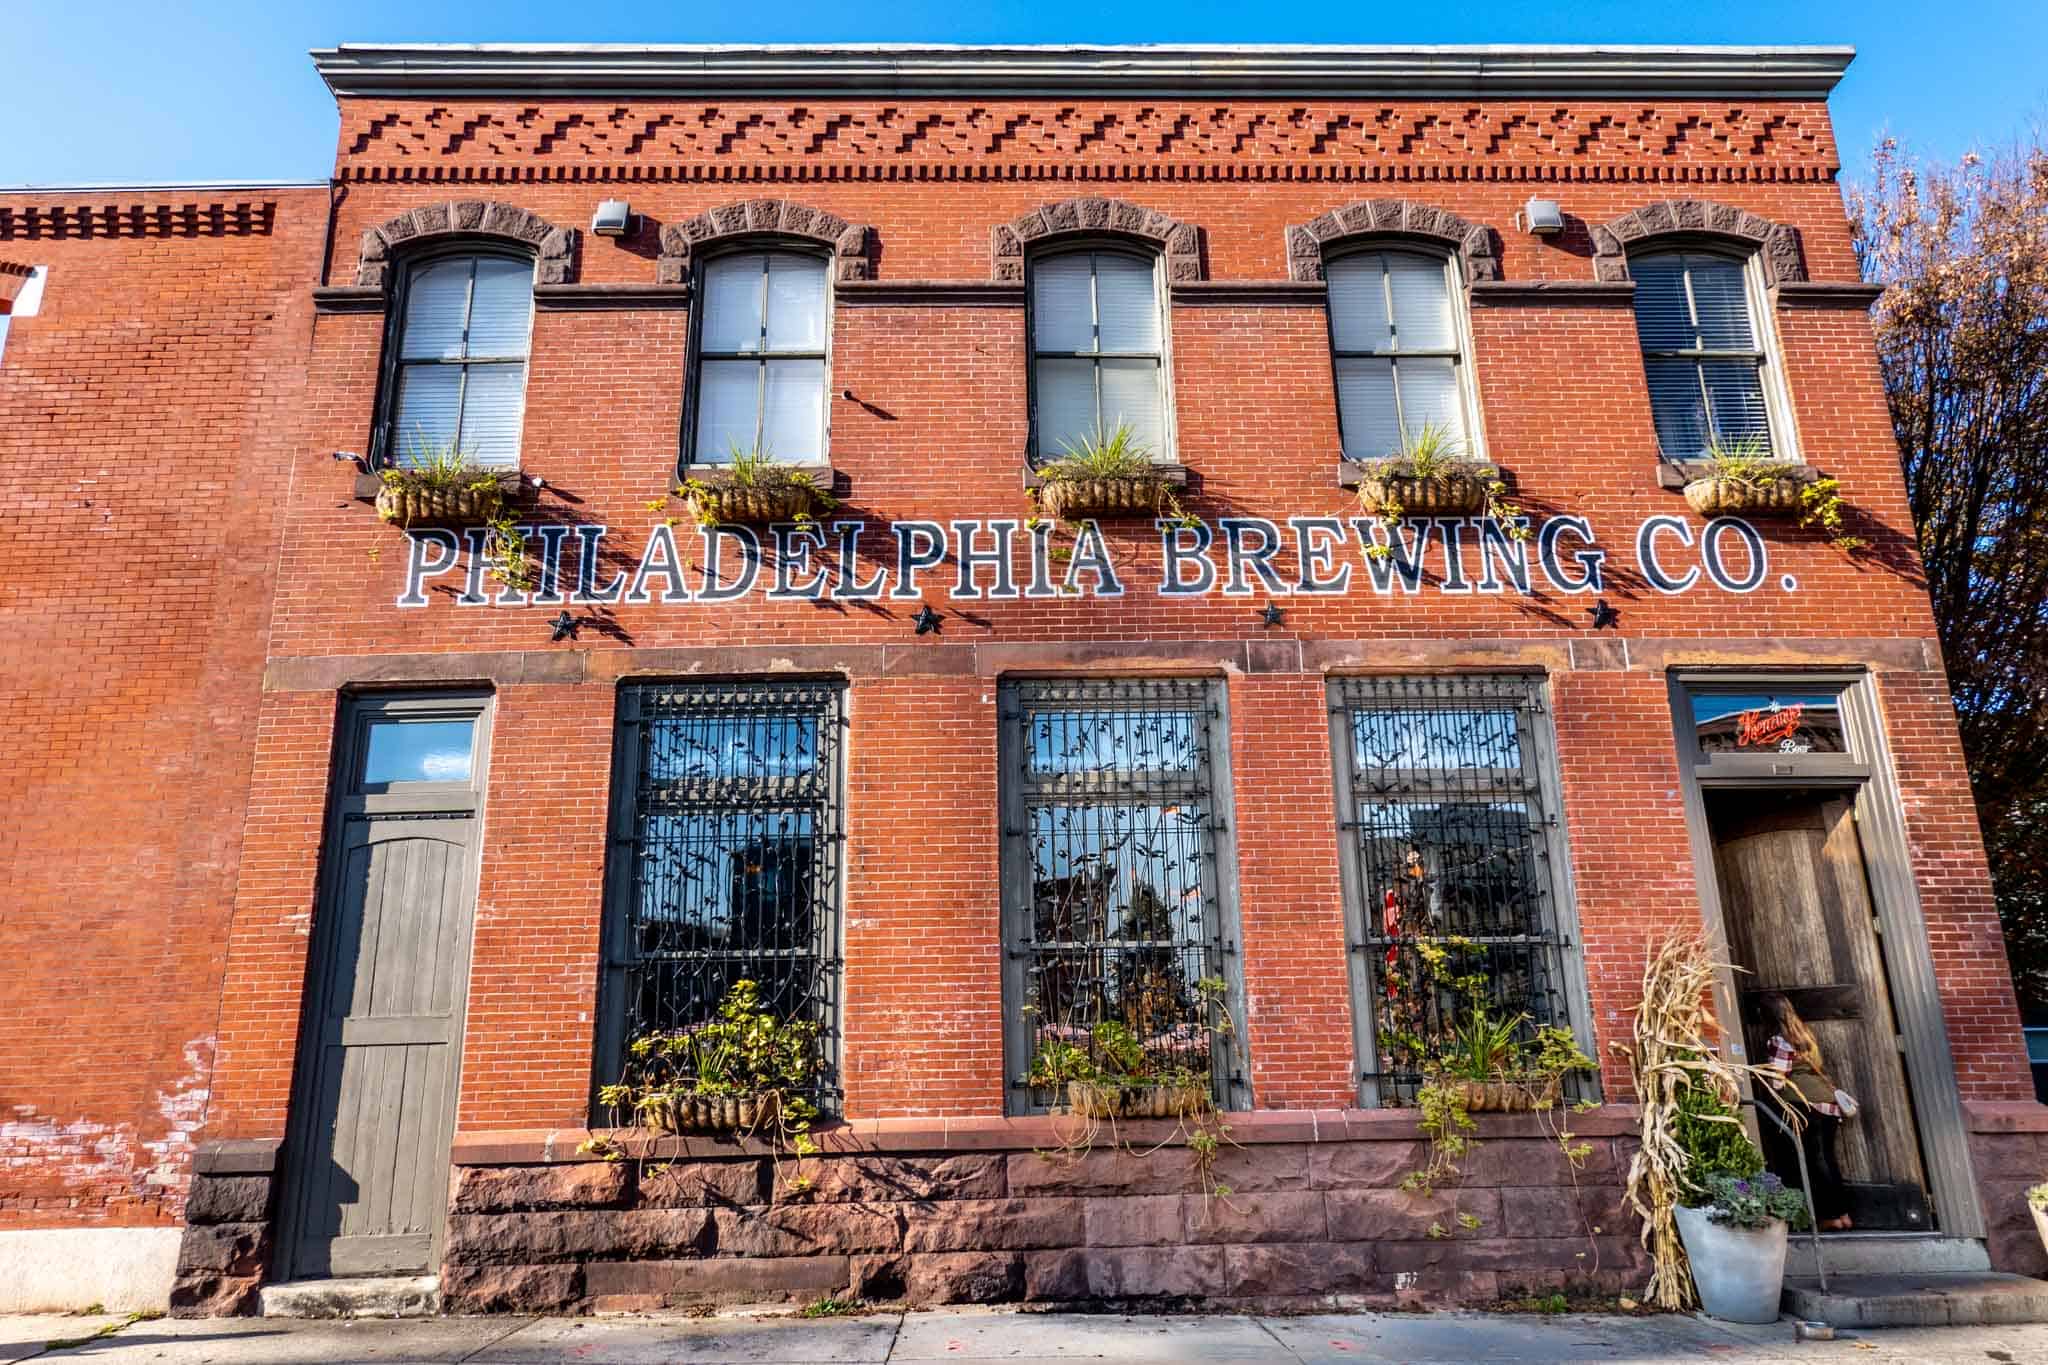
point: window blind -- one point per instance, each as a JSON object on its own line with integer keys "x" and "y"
{"x": 1097, "y": 337}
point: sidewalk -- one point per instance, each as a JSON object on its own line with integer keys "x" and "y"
{"x": 1014, "y": 1338}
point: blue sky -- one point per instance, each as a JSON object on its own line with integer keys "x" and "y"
{"x": 156, "y": 91}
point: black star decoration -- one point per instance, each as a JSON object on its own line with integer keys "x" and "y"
{"x": 926, "y": 619}
{"x": 564, "y": 626}
{"x": 1272, "y": 614}
{"x": 1603, "y": 615}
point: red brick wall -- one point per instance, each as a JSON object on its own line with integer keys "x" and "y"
{"x": 938, "y": 433}
{"x": 146, "y": 416}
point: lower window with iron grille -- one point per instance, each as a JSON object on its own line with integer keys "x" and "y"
{"x": 1120, "y": 954}
{"x": 1458, "y": 903}
{"x": 724, "y": 864}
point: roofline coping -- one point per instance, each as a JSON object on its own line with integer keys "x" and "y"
{"x": 912, "y": 69}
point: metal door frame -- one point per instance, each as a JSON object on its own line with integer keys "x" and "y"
{"x": 1867, "y": 775}
{"x": 353, "y": 713}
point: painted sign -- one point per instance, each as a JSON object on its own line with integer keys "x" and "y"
{"x": 1007, "y": 559}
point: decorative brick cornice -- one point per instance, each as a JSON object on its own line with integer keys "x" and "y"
{"x": 1247, "y": 139}
{"x": 847, "y": 242}
{"x": 1180, "y": 243}
{"x": 242, "y": 218}
{"x": 468, "y": 220}
{"x": 1470, "y": 243}
{"x": 1778, "y": 243}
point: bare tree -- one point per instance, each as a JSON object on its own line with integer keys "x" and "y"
{"x": 1962, "y": 332}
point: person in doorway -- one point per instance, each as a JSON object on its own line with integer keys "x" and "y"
{"x": 1795, "y": 1052}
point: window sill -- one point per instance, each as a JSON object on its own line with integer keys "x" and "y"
{"x": 718, "y": 475}
{"x": 1676, "y": 474}
{"x": 1350, "y": 473}
{"x": 514, "y": 482}
{"x": 1177, "y": 476}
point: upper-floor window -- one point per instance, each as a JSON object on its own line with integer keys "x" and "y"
{"x": 761, "y": 352}
{"x": 1703, "y": 353}
{"x": 1097, "y": 351}
{"x": 460, "y": 384}
{"x": 1400, "y": 366}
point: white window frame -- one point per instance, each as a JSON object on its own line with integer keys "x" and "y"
{"x": 1169, "y": 431}
{"x": 1462, "y": 363}
{"x": 1778, "y": 412}
{"x": 389, "y": 448}
{"x": 699, "y": 294}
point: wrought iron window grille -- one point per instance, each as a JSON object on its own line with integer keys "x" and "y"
{"x": 1449, "y": 815}
{"x": 1115, "y": 908}
{"x": 727, "y": 831}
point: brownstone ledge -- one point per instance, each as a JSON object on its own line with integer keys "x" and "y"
{"x": 2006, "y": 1116}
{"x": 530, "y": 1146}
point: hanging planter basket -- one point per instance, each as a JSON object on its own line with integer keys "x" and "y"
{"x": 1454, "y": 493}
{"x": 1718, "y": 497}
{"x": 1094, "y": 1101}
{"x": 412, "y": 504}
{"x": 1081, "y": 499}
{"x": 751, "y": 504}
{"x": 1508, "y": 1094}
{"x": 686, "y": 1113}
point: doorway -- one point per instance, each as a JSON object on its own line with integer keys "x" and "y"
{"x": 373, "y": 1111}
{"x": 1801, "y": 925}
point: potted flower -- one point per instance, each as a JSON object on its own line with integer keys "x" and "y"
{"x": 746, "y": 1071}
{"x": 1742, "y": 479}
{"x": 1431, "y": 476}
{"x": 440, "y": 484}
{"x": 1735, "y": 1240}
{"x": 1104, "y": 476}
{"x": 2037, "y": 1204}
{"x": 1494, "y": 1069}
{"x": 754, "y": 488}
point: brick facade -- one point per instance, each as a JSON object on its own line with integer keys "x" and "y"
{"x": 207, "y": 610}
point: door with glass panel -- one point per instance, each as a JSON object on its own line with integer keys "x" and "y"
{"x": 1118, "y": 915}
{"x": 373, "y": 1112}
{"x": 1457, "y": 900}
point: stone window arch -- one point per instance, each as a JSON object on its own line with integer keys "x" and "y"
{"x": 1776, "y": 245}
{"x": 845, "y": 243}
{"x": 1177, "y": 243}
{"x": 434, "y": 226}
{"x": 1470, "y": 244}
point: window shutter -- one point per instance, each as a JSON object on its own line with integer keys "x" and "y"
{"x": 1127, "y": 302}
{"x": 1358, "y": 303}
{"x": 1062, "y": 304}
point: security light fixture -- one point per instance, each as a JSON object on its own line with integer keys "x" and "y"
{"x": 1543, "y": 217}
{"x": 614, "y": 218}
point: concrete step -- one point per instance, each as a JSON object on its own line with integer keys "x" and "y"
{"x": 409, "y": 1296}
{"x": 1976, "y": 1299}
{"x": 1885, "y": 1253}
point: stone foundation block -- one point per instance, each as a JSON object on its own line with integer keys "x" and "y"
{"x": 1397, "y": 1215}
{"x": 513, "y": 1189}
{"x": 510, "y": 1288}
{"x": 995, "y": 1225}
{"x": 696, "y": 1184}
{"x": 543, "y": 1238}
{"x": 964, "y": 1277}
{"x": 1281, "y": 1216}
{"x": 1547, "y": 1210}
{"x": 230, "y": 1249}
{"x": 1145, "y": 1220}
{"x": 893, "y": 1180}
{"x": 722, "y": 1280}
{"x": 807, "y": 1230}
{"x": 202, "y": 1294}
{"x": 1270, "y": 1271}
{"x": 228, "y": 1199}
{"x": 1125, "y": 1273}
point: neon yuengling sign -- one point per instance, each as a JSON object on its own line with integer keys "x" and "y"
{"x": 1008, "y": 559}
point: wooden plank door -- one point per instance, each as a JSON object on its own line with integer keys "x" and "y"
{"x": 1799, "y": 917}
{"x": 375, "y": 1110}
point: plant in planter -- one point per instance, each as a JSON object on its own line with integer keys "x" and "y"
{"x": 755, "y": 488}
{"x": 1430, "y": 476}
{"x": 1735, "y": 1241}
{"x": 1743, "y": 479}
{"x": 440, "y": 484}
{"x": 1106, "y": 476}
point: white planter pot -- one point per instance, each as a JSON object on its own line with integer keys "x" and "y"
{"x": 1740, "y": 1272}
{"x": 2040, "y": 1224}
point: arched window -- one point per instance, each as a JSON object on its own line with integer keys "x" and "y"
{"x": 762, "y": 336}
{"x": 460, "y": 380}
{"x": 1097, "y": 350}
{"x": 1704, "y": 353}
{"x": 1397, "y": 342}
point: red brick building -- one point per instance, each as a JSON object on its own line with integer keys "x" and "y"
{"x": 342, "y": 871}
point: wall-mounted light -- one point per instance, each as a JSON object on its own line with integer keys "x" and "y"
{"x": 1543, "y": 217}
{"x": 614, "y": 218}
